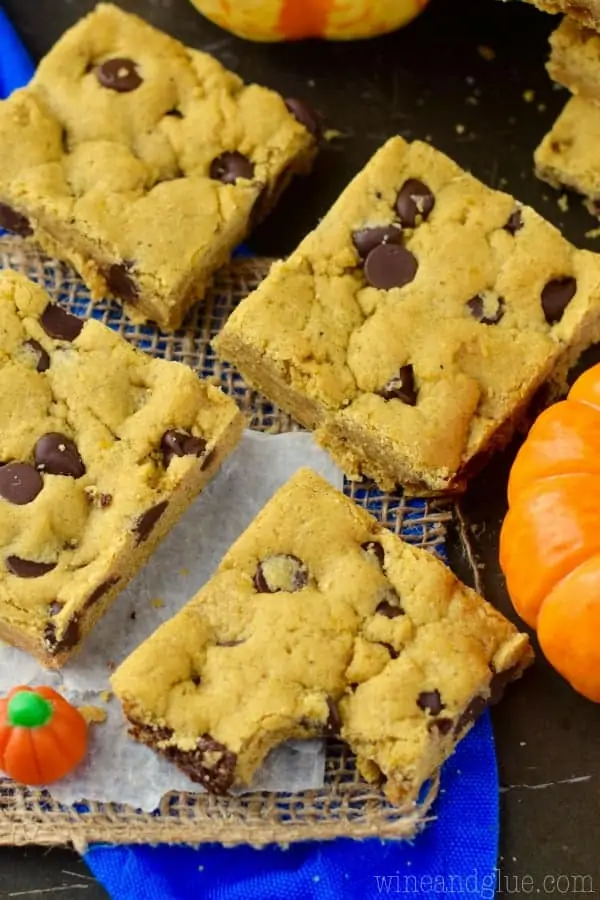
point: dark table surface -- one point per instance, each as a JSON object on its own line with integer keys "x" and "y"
{"x": 434, "y": 81}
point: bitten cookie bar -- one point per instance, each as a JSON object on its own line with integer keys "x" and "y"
{"x": 319, "y": 621}
{"x": 412, "y": 328}
{"x": 575, "y": 59}
{"x": 144, "y": 163}
{"x": 569, "y": 154}
{"x": 101, "y": 449}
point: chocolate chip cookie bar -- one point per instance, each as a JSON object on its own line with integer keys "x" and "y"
{"x": 412, "y": 328}
{"x": 143, "y": 163}
{"x": 320, "y": 621}
{"x": 575, "y": 59}
{"x": 101, "y": 449}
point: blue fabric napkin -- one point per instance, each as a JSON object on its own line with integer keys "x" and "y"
{"x": 455, "y": 855}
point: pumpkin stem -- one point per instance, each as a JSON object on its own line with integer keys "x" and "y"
{"x": 26, "y": 709}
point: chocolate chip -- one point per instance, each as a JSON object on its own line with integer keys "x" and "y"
{"x": 179, "y": 443}
{"x": 305, "y": 115}
{"x": 390, "y": 266}
{"x": 211, "y": 763}
{"x": 120, "y": 283}
{"x": 414, "y": 202}
{"x": 391, "y": 650}
{"x": 556, "y": 296}
{"x": 282, "y": 572}
{"x": 374, "y": 548}
{"x": 100, "y": 591}
{"x": 14, "y": 221}
{"x": 442, "y": 725}
{"x": 367, "y": 239}
{"x": 43, "y": 363}
{"x": 175, "y": 113}
{"x": 514, "y": 222}
{"x": 148, "y": 520}
{"x": 208, "y": 459}
{"x": 70, "y": 637}
{"x": 59, "y": 324}
{"x": 119, "y": 74}
{"x": 389, "y": 610}
{"x": 105, "y": 500}
{"x": 476, "y": 307}
{"x": 56, "y": 454}
{"x": 230, "y": 166}
{"x": 19, "y": 483}
{"x": 55, "y": 607}
{"x": 474, "y": 710}
{"x": 230, "y": 643}
{"x": 430, "y": 701}
{"x": 196, "y": 679}
{"x": 333, "y": 726}
{"x": 28, "y": 568}
{"x": 499, "y": 683}
{"x": 401, "y": 387}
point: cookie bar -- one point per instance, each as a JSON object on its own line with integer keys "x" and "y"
{"x": 101, "y": 449}
{"x": 575, "y": 59}
{"x": 569, "y": 154}
{"x": 142, "y": 162}
{"x": 586, "y": 12}
{"x": 412, "y": 328}
{"x": 320, "y": 621}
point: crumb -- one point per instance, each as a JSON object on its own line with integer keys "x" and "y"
{"x": 429, "y": 138}
{"x": 487, "y": 53}
{"x": 563, "y": 203}
{"x": 541, "y": 107}
{"x": 522, "y": 743}
{"x": 157, "y": 603}
{"x": 460, "y": 129}
{"x": 330, "y": 134}
{"x": 311, "y": 82}
{"x": 503, "y": 182}
{"x": 472, "y": 100}
{"x": 592, "y": 233}
{"x": 111, "y": 665}
{"x": 470, "y": 80}
{"x": 184, "y": 572}
{"x": 512, "y": 120}
{"x": 105, "y": 696}
{"x": 529, "y": 96}
{"x": 93, "y": 715}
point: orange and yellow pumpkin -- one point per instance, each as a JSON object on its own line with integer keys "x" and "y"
{"x": 42, "y": 737}
{"x": 289, "y": 20}
{"x": 550, "y": 538}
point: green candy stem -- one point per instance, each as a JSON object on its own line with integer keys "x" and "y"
{"x": 28, "y": 710}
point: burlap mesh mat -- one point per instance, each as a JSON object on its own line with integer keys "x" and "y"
{"x": 346, "y": 806}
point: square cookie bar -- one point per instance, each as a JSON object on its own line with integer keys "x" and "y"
{"x": 569, "y": 154}
{"x": 142, "y": 162}
{"x": 320, "y": 621}
{"x": 101, "y": 449}
{"x": 575, "y": 59}
{"x": 412, "y": 328}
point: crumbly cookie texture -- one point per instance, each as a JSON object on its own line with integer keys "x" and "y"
{"x": 412, "y": 328}
{"x": 101, "y": 449}
{"x": 586, "y": 12}
{"x": 320, "y": 621}
{"x": 142, "y": 162}
{"x": 569, "y": 154}
{"x": 575, "y": 59}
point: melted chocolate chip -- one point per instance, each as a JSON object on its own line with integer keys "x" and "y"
{"x": 19, "y": 483}
{"x": 390, "y": 266}
{"x": 230, "y": 166}
{"x": 178, "y": 443}
{"x": 230, "y": 643}
{"x": 333, "y": 726}
{"x": 43, "y": 360}
{"x": 175, "y": 113}
{"x": 56, "y": 454}
{"x": 514, "y": 222}
{"x": 442, "y": 725}
{"x": 474, "y": 710}
{"x": 14, "y": 221}
{"x": 282, "y": 572}
{"x": 196, "y": 679}
{"x": 401, "y": 387}
{"x": 148, "y": 520}
{"x": 28, "y": 568}
{"x": 305, "y": 115}
{"x": 431, "y": 702}
{"x": 100, "y": 591}
{"x": 119, "y": 74}
{"x": 120, "y": 283}
{"x": 391, "y": 650}
{"x": 367, "y": 239}
{"x": 374, "y": 548}
{"x": 499, "y": 683}
{"x": 414, "y": 202}
{"x": 59, "y": 324}
{"x": 389, "y": 610}
{"x": 211, "y": 763}
{"x": 476, "y": 307}
{"x": 556, "y": 296}
{"x": 70, "y": 637}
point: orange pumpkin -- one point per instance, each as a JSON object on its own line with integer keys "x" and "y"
{"x": 289, "y": 20}
{"x": 550, "y": 538}
{"x": 42, "y": 737}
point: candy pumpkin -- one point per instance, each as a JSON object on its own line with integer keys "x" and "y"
{"x": 42, "y": 737}
{"x": 550, "y": 538}
{"x": 289, "y": 20}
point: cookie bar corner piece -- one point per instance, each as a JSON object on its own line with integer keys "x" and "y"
{"x": 320, "y": 622}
